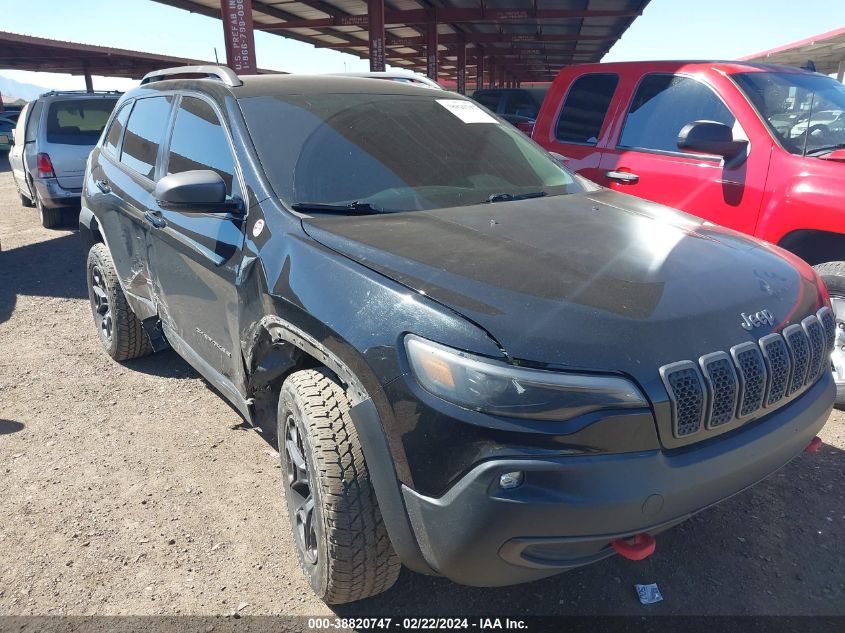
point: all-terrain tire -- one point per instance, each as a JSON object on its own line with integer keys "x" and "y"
{"x": 833, "y": 275}
{"x": 51, "y": 217}
{"x": 354, "y": 556}
{"x": 125, "y": 338}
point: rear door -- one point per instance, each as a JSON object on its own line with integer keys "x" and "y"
{"x": 194, "y": 256}
{"x": 646, "y": 161}
{"x": 124, "y": 177}
{"x": 577, "y": 124}
{"x": 72, "y": 128}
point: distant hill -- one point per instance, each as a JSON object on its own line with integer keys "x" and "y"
{"x": 13, "y": 90}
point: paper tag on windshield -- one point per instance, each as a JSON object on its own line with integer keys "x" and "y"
{"x": 466, "y": 111}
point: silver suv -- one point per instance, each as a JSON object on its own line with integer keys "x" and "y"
{"x": 52, "y": 140}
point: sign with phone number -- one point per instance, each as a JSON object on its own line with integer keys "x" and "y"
{"x": 240, "y": 41}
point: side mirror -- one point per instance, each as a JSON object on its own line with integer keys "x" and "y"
{"x": 710, "y": 137}
{"x": 198, "y": 191}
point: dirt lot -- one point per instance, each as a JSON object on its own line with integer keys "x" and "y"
{"x": 125, "y": 489}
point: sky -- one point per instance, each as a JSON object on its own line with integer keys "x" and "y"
{"x": 691, "y": 29}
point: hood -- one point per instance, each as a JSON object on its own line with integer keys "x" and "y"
{"x": 598, "y": 281}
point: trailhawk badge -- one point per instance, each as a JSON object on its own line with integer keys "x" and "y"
{"x": 749, "y": 322}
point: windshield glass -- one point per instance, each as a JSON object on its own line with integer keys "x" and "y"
{"x": 806, "y": 112}
{"x": 395, "y": 152}
{"x": 78, "y": 121}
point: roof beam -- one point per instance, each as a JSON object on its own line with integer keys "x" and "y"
{"x": 448, "y": 16}
{"x": 481, "y": 38}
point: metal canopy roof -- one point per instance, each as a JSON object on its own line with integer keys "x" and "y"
{"x": 25, "y": 52}
{"x": 827, "y": 52}
{"x": 530, "y": 40}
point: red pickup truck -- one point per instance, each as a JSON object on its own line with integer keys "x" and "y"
{"x": 758, "y": 148}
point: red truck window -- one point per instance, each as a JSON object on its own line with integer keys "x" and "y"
{"x": 585, "y": 108}
{"x": 663, "y": 105}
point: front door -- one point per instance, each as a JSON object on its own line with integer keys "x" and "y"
{"x": 195, "y": 256}
{"x": 647, "y": 162}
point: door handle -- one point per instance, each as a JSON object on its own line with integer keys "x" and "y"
{"x": 625, "y": 177}
{"x": 103, "y": 186}
{"x": 154, "y": 217}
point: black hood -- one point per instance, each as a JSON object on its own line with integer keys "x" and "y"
{"x": 600, "y": 281}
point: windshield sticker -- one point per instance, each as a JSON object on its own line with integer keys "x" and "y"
{"x": 466, "y": 111}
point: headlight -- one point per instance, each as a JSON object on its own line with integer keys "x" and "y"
{"x": 494, "y": 387}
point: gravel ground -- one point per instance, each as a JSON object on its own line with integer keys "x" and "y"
{"x": 130, "y": 489}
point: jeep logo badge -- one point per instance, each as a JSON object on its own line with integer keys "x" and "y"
{"x": 749, "y": 322}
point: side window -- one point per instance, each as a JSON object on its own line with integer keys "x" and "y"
{"x": 520, "y": 103}
{"x": 585, "y": 108}
{"x": 663, "y": 105}
{"x": 144, "y": 134}
{"x": 33, "y": 120}
{"x": 115, "y": 133}
{"x": 489, "y": 100}
{"x": 21, "y": 126}
{"x": 200, "y": 142}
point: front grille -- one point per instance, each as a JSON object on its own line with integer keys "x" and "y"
{"x": 723, "y": 388}
{"x": 818, "y": 345}
{"x": 686, "y": 392}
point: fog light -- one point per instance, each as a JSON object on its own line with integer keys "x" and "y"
{"x": 510, "y": 480}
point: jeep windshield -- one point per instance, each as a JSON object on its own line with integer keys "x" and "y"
{"x": 395, "y": 152}
{"x": 806, "y": 112}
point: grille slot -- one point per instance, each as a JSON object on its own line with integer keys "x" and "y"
{"x": 752, "y": 377}
{"x": 723, "y": 387}
{"x": 828, "y": 322}
{"x": 799, "y": 351}
{"x": 778, "y": 366}
{"x": 687, "y": 396}
{"x": 815, "y": 333}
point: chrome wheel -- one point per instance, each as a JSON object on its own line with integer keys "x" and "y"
{"x": 100, "y": 303}
{"x": 300, "y": 491}
{"x": 837, "y": 358}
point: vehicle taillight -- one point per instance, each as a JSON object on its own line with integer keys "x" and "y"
{"x": 44, "y": 166}
{"x": 527, "y": 127}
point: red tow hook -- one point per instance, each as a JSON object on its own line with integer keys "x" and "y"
{"x": 637, "y": 547}
{"x": 814, "y": 445}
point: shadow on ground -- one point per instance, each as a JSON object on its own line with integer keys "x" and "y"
{"x": 742, "y": 557}
{"x": 7, "y": 427}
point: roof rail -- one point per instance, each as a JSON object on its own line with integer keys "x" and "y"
{"x": 51, "y": 93}
{"x": 222, "y": 73}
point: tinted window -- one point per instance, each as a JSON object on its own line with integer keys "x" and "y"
{"x": 663, "y": 105}
{"x": 396, "y": 152}
{"x": 115, "y": 133}
{"x": 489, "y": 100}
{"x": 200, "y": 142}
{"x": 78, "y": 121}
{"x": 585, "y": 108}
{"x": 144, "y": 134}
{"x": 521, "y": 103}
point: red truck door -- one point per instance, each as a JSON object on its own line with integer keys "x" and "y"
{"x": 643, "y": 157}
{"x": 574, "y": 118}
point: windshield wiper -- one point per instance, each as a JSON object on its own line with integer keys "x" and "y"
{"x": 509, "y": 197}
{"x": 826, "y": 149}
{"x": 321, "y": 207}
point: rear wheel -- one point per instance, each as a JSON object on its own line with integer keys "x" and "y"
{"x": 50, "y": 216}
{"x": 343, "y": 546}
{"x": 121, "y": 333}
{"x": 833, "y": 275}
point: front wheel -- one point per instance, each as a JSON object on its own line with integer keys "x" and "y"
{"x": 833, "y": 275}
{"x": 341, "y": 541}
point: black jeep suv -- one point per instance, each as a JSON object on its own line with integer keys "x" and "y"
{"x": 477, "y": 364}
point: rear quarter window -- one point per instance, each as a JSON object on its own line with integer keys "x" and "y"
{"x": 77, "y": 121}
{"x": 145, "y": 133}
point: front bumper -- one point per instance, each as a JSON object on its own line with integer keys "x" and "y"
{"x": 53, "y": 195}
{"x": 569, "y": 509}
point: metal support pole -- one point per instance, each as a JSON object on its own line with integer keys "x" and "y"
{"x": 89, "y": 82}
{"x": 375, "y": 13}
{"x": 431, "y": 47}
{"x": 462, "y": 68}
{"x": 239, "y": 36}
{"x": 479, "y": 70}
{"x": 841, "y": 74}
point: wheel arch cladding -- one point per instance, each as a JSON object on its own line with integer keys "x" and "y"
{"x": 815, "y": 246}
{"x": 89, "y": 229}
